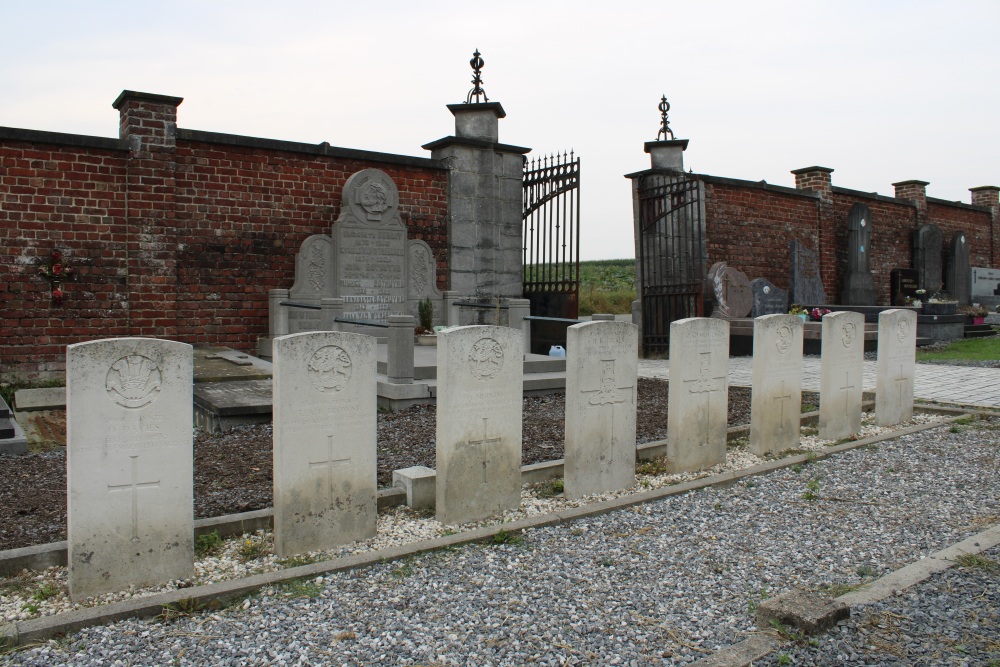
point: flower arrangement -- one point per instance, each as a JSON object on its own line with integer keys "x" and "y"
{"x": 796, "y": 309}
{"x": 975, "y": 310}
{"x": 56, "y": 273}
{"x": 425, "y": 312}
{"x": 816, "y": 314}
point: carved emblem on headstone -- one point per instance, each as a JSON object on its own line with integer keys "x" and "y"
{"x": 419, "y": 275}
{"x": 485, "y": 359}
{"x": 608, "y": 392}
{"x": 317, "y": 268}
{"x": 133, "y": 381}
{"x": 330, "y": 368}
{"x": 784, "y": 342}
{"x": 902, "y": 330}
{"x": 374, "y": 199}
{"x": 848, "y": 333}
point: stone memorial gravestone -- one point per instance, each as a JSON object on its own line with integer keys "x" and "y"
{"x": 841, "y": 366}
{"x": 806, "y": 283}
{"x": 959, "y": 277}
{"x": 859, "y": 285}
{"x": 324, "y": 441}
{"x": 129, "y": 459}
{"x": 480, "y": 376}
{"x": 601, "y": 379}
{"x": 698, "y": 403}
{"x": 767, "y": 298}
{"x": 903, "y": 284}
{"x": 985, "y": 289}
{"x": 927, "y": 242}
{"x": 776, "y": 398}
{"x": 897, "y": 335}
{"x": 730, "y": 291}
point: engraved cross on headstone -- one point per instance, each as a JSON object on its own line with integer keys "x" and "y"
{"x": 133, "y": 488}
{"x": 901, "y": 385}
{"x": 609, "y": 393}
{"x": 783, "y": 396}
{"x": 847, "y": 388}
{"x": 482, "y": 444}
{"x": 705, "y": 384}
{"x": 329, "y": 462}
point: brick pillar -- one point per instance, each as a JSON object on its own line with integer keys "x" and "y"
{"x": 988, "y": 196}
{"x": 484, "y": 203}
{"x": 914, "y": 191}
{"x": 818, "y": 180}
{"x": 149, "y": 124}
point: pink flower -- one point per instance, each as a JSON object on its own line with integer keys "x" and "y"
{"x": 57, "y": 294}
{"x": 57, "y": 269}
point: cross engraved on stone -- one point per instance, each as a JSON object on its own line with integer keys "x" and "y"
{"x": 782, "y": 397}
{"x": 485, "y": 442}
{"x": 901, "y": 385}
{"x": 329, "y": 462}
{"x": 133, "y": 488}
{"x": 610, "y": 394}
{"x": 847, "y": 388}
{"x": 705, "y": 384}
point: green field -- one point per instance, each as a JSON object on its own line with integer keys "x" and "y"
{"x": 607, "y": 286}
{"x": 976, "y": 349}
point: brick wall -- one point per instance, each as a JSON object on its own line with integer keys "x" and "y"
{"x": 172, "y": 233}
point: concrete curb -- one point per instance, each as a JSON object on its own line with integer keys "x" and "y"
{"x": 34, "y": 630}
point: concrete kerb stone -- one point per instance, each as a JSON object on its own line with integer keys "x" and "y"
{"x": 21, "y": 633}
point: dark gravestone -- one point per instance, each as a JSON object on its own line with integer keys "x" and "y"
{"x": 958, "y": 280}
{"x": 731, "y": 295}
{"x": 6, "y": 426}
{"x": 903, "y": 284}
{"x": 767, "y": 299}
{"x": 927, "y": 258}
{"x": 807, "y": 286}
{"x": 859, "y": 286}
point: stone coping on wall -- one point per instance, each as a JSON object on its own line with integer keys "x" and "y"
{"x": 475, "y": 143}
{"x": 61, "y": 138}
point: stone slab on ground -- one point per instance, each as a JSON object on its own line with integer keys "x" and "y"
{"x": 12, "y": 439}
{"x": 222, "y": 364}
{"x": 803, "y": 610}
{"x": 219, "y": 406}
{"x": 46, "y": 398}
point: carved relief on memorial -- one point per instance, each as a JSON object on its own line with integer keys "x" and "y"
{"x": 317, "y": 268}
{"x": 486, "y": 359}
{"x": 609, "y": 391}
{"x": 133, "y": 381}
{"x": 784, "y": 338}
{"x": 330, "y": 368}
{"x": 372, "y": 197}
{"x": 420, "y": 275}
{"x": 902, "y": 330}
{"x": 848, "y": 334}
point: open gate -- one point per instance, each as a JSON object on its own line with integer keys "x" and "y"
{"x": 672, "y": 254}
{"x": 551, "y": 235}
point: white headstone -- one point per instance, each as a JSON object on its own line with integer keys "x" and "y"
{"x": 897, "y": 345}
{"x": 324, "y": 440}
{"x": 480, "y": 371}
{"x": 776, "y": 401}
{"x": 129, "y": 458}
{"x": 698, "y": 401}
{"x": 601, "y": 372}
{"x": 841, "y": 375}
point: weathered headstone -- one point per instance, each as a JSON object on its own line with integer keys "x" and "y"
{"x": 985, "y": 287}
{"x": 806, "y": 282}
{"x": 480, "y": 371}
{"x": 859, "y": 285}
{"x": 768, "y": 299}
{"x": 601, "y": 372}
{"x": 840, "y": 389}
{"x": 927, "y": 240}
{"x": 324, "y": 441}
{"x": 698, "y": 402}
{"x": 959, "y": 275}
{"x": 897, "y": 335}
{"x": 903, "y": 284}
{"x": 730, "y": 291}
{"x": 129, "y": 458}
{"x": 776, "y": 399}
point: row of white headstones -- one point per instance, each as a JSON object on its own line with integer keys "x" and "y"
{"x": 129, "y": 435}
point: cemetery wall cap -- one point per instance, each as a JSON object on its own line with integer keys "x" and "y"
{"x": 650, "y": 145}
{"x": 145, "y": 97}
{"x": 912, "y": 182}
{"x": 985, "y": 187}
{"x": 806, "y": 170}
{"x": 478, "y": 106}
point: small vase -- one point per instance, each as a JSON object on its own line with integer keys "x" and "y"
{"x": 803, "y": 317}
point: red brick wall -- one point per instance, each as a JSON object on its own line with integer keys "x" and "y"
{"x": 171, "y": 237}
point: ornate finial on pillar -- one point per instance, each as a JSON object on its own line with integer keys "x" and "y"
{"x": 477, "y": 79}
{"x": 665, "y": 130}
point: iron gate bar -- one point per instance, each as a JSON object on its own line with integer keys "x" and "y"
{"x": 551, "y": 226}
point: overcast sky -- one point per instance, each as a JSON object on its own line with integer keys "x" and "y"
{"x": 879, "y": 91}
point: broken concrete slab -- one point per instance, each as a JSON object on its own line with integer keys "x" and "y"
{"x": 802, "y": 610}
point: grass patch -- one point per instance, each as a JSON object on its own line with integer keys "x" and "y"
{"x": 251, "y": 548}
{"x": 549, "y": 489}
{"x": 505, "y": 537}
{"x": 295, "y": 561}
{"x": 657, "y": 466}
{"x": 812, "y": 489}
{"x": 972, "y": 349}
{"x": 208, "y": 544}
{"x": 978, "y": 562}
{"x": 300, "y": 588}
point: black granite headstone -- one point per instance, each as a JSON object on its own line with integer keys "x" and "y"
{"x": 958, "y": 280}
{"x": 903, "y": 284}
{"x": 767, "y": 299}
{"x": 807, "y": 286}
{"x": 927, "y": 242}
{"x": 859, "y": 286}
{"x": 6, "y": 426}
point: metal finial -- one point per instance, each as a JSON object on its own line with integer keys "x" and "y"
{"x": 665, "y": 130}
{"x": 477, "y": 80}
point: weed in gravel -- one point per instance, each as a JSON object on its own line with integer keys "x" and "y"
{"x": 657, "y": 466}
{"x": 549, "y": 488}
{"x": 797, "y": 468}
{"x": 295, "y": 561}
{"x": 300, "y": 588}
{"x": 865, "y": 571}
{"x": 504, "y": 537}
{"x": 208, "y": 544}
{"x": 403, "y": 571}
{"x": 978, "y": 562}
{"x": 809, "y": 430}
{"x": 784, "y": 659}
{"x": 836, "y": 590}
{"x": 756, "y": 599}
{"x": 186, "y": 607}
{"x": 344, "y": 636}
{"x": 251, "y": 548}
{"x": 812, "y": 486}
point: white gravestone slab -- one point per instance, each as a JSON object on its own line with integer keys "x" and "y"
{"x": 129, "y": 460}
{"x": 479, "y": 401}
{"x": 841, "y": 368}
{"x": 324, "y": 441}
{"x": 698, "y": 402}
{"x": 601, "y": 372}
{"x": 897, "y": 335}
{"x": 776, "y": 400}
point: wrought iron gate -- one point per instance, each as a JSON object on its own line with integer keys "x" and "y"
{"x": 551, "y": 235}
{"x": 672, "y": 254}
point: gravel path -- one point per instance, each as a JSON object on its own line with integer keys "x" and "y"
{"x": 662, "y": 584}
